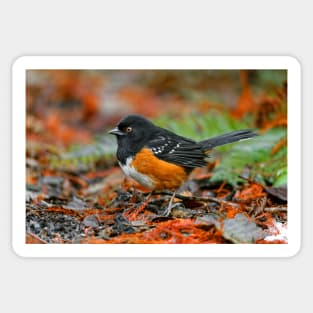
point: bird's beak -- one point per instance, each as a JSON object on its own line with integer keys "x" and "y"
{"x": 116, "y": 131}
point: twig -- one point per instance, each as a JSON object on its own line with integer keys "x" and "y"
{"x": 194, "y": 198}
{"x": 276, "y": 209}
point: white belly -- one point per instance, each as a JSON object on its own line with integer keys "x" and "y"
{"x": 131, "y": 172}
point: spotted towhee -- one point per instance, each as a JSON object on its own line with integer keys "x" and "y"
{"x": 158, "y": 158}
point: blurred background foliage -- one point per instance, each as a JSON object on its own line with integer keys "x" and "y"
{"x": 70, "y": 111}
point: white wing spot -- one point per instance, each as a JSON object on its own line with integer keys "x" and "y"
{"x": 158, "y": 150}
{"x": 177, "y": 146}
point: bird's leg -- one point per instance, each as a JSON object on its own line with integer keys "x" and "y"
{"x": 183, "y": 188}
{"x": 148, "y": 196}
{"x": 170, "y": 205}
{"x": 145, "y": 203}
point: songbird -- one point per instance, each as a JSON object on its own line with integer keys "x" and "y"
{"x": 158, "y": 158}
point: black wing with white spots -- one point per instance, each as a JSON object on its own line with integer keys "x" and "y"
{"x": 178, "y": 150}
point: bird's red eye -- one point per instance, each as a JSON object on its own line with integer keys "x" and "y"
{"x": 129, "y": 129}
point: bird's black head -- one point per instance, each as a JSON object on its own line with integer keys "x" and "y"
{"x": 133, "y": 132}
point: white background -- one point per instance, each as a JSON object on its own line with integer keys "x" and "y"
{"x": 161, "y": 28}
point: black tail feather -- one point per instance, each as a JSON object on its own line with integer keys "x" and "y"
{"x": 227, "y": 138}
